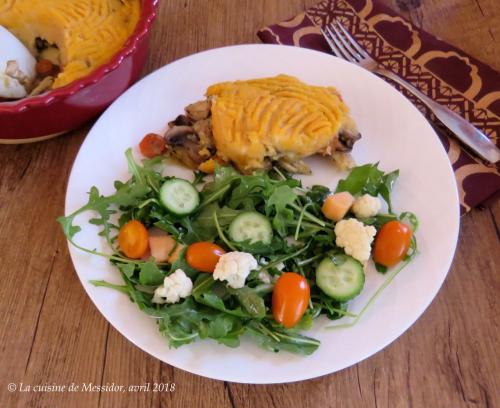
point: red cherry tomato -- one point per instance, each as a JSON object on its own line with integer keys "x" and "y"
{"x": 152, "y": 145}
{"x": 133, "y": 239}
{"x": 203, "y": 256}
{"x": 392, "y": 243}
{"x": 291, "y": 295}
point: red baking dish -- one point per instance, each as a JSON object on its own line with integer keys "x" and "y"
{"x": 63, "y": 109}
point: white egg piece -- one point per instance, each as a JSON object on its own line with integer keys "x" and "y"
{"x": 17, "y": 66}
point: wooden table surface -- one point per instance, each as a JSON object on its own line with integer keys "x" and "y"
{"x": 51, "y": 333}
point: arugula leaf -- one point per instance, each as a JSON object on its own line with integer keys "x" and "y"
{"x": 212, "y": 197}
{"x": 317, "y": 194}
{"x": 248, "y": 193}
{"x": 259, "y": 248}
{"x": 368, "y": 179}
{"x": 226, "y": 330}
{"x": 386, "y": 186}
{"x": 150, "y": 274}
{"x": 305, "y": 322}
{"x": 379, "y": 220}
{"x": 104, "y": 284}
{"x": 127, "y": 268}
{"x": 145, "y": 175}
{"x": 331, "y": 308}
{"x": 220, "y": 327}
{"x": 251, "y": 302}
{"x": 203, "y": 293}
{"x": 411, "y": 219}
{"x": 280, "y": 198}
{"x": 276, "y": 340}
{"x": 215, "y": 302}
{"x": 184, "y": 322}
{"x": 181, "y": 323}
{"x": 168, "y": 226}
{"x": 381, "y": 268}
{"x": 204, "y": 223}
{"x": 278, "y": 201}
{"x": 359, "y": 179}
{"x": 223, "y": 176}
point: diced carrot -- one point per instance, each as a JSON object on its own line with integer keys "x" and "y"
{"x": 336, "y": 206}
{"x": 160, "y": 244}
{"x": 207, "y": 166}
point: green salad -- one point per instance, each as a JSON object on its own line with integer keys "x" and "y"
{"x": 229, "y": 255}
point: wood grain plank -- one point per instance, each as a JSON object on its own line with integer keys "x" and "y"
{"x": 193, "y": 390}
{"x": 200, "y": 25}
{"x": 472, "y": 25}
{"x": 51, "y": 333}
{"x": 494, "y": 209}
{"x": 127, "y": 365}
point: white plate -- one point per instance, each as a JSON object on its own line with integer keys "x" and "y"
{"x": 394, "y": 133}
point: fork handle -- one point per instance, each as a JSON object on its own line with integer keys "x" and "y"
{"x": 463, "y": 130}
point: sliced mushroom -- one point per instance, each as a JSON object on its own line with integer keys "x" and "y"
{"x": 199, "y": 110}
{"x": 181, "y": 120}
{"x": 177, "y": 135}
{"x": 184, "y": 143}
{"x": 347, "y": 139}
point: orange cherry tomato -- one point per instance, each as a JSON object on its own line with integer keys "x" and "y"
{"x": 291, "y": 295}
{"x": 203, "y": 256}
{"x": 133, "y": 239}
{"x": 152, "y": 145}
{"x": 392, "y": 243}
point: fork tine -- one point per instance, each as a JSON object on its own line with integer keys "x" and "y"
{"x": 338, "y": 47}
{"x": 346, "y": 42}
{"x": 332, "y": 45}
{"x": 353, "y": 42}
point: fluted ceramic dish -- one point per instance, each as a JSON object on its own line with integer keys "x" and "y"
{"x": 60, "y": 110}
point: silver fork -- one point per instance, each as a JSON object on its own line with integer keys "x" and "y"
{"x": 344, "y": 46}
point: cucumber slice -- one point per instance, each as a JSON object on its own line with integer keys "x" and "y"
{"x": 251, "y": 226}
{"x": 340, "y": 277}
{"x": 179, "y": 196}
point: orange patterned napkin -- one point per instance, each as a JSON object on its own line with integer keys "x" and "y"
{"x": 445, "y": 73}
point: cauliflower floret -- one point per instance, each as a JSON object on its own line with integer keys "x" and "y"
{"x": 355, "y": 238}
{"x": 234, "y": 267}
{"x": 175, "y": 286}
{"x": 366, "y": 206}
{"x": 264, "y": 277}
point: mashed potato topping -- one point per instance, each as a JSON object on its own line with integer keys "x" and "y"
{"x": 274, "y": 117}
{"x": 85, "y": 34}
